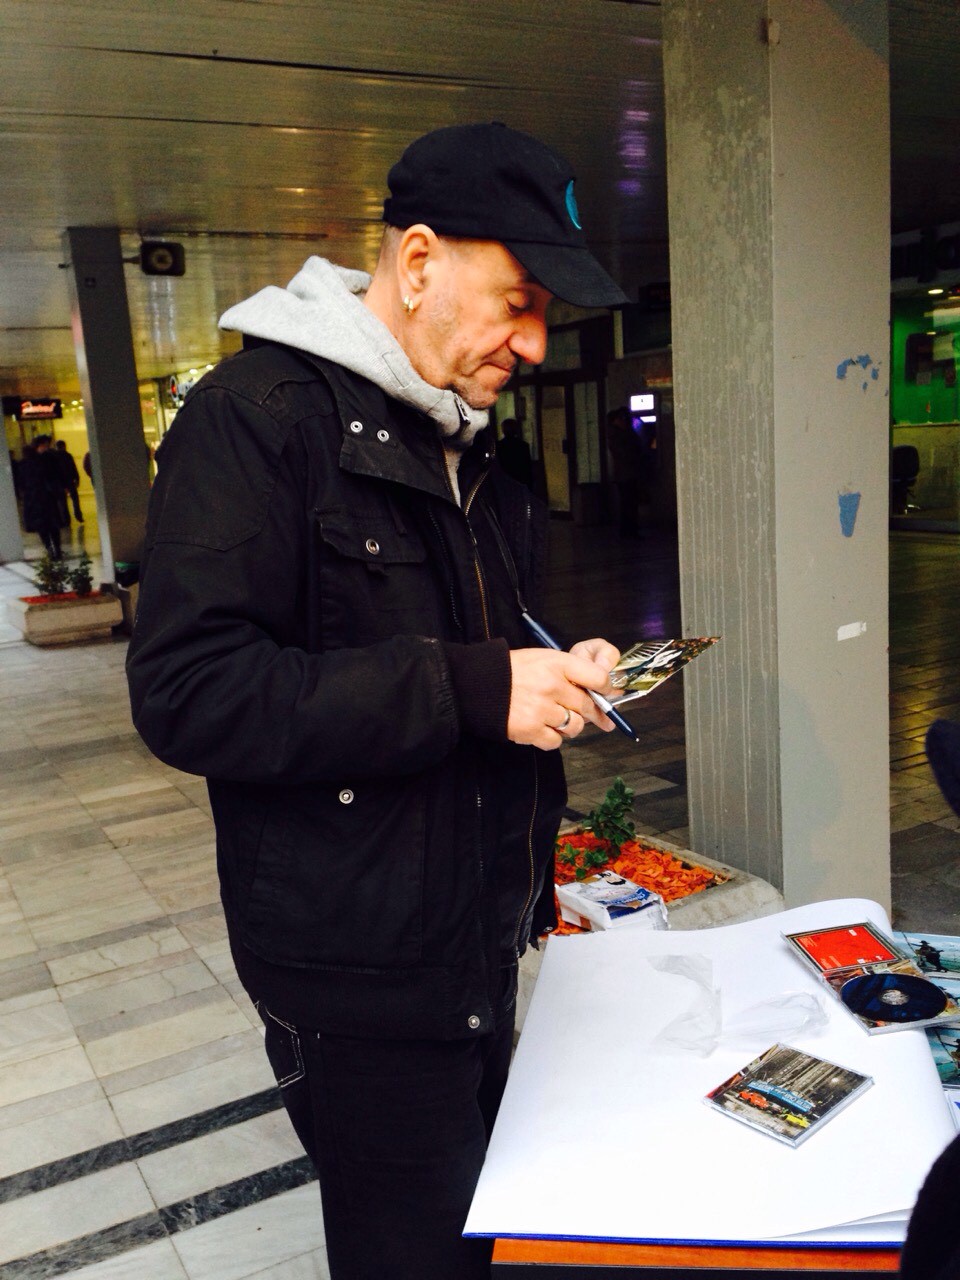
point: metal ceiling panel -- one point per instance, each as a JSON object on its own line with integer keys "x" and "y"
{"x": 259, "y": 131}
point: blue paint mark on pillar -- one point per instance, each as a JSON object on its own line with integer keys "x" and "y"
{"x": 849, "y": 506}
{"x": 863, "y": 362}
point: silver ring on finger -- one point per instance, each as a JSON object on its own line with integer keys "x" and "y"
{"x": 563, "y": 723}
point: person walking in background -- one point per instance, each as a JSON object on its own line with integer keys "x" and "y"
{"x": 627, "y": 458}
{"x": 42, "y": 491}
{"x": 70, "y": 478}
{"x": 513, "y": 453}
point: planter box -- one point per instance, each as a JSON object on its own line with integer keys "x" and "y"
{"x": 50, "y": 620}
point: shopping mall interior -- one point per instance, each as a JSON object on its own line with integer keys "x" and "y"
{"x": 143, "y": 1136}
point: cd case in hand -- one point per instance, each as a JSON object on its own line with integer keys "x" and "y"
{"x": 878, "y": 982}
{"x": 647, "y": 664}
{"x": 787, "y": 1093}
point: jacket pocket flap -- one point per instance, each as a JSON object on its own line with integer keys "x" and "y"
{"x": 371, "y": 539}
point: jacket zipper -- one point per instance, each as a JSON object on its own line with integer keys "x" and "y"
{"x": 450, "y": 574}
{"x": 529, "y": 897}
{"x": 478, "y": 571}
{"x": 536, "y": 775}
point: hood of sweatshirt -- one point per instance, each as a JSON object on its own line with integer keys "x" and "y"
{"x": 322, "y": 311}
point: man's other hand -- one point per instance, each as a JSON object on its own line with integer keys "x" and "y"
{"x": 548, "y": 698}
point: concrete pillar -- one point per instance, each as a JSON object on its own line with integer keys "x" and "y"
{"x": 778, "y": 179}
{"x": 11, "y": 539}
{"x": 108, "y": 376}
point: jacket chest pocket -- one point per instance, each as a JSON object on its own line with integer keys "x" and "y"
{"x": 374, "y": 580}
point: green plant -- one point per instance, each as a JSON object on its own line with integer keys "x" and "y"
{"x": 80, "y": 578}
{"x": 50, "y": 576}
{"x": 611, "y": 826}
{"x": 610, "y": 819}
{"x": 584, "y": 860}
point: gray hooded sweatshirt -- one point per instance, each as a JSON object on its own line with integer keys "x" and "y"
{"x": 322, "y": 311}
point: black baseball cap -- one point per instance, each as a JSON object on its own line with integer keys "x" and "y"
{"x": 490, "y": 182}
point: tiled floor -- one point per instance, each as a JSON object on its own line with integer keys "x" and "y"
{"x": 141, "y": 1135}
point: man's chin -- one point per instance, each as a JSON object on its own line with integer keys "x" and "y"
{"x": 480, "y": 395}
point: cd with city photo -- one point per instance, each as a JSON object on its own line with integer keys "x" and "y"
{"x": 645, "y": 666}
{"x": 787, "y": 1093}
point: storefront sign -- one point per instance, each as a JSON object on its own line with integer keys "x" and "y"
{"x": 38, "y": 409}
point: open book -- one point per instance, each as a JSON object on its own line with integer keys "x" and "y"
{"x": 603, "y": 1134}
{"x": 646, "y": 665}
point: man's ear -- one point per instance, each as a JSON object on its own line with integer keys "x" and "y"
{"x": 419, "y": 250}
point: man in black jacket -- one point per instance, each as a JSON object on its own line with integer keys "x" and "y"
{"x": 329, "y": 630}
{"x": 70, "y": 478}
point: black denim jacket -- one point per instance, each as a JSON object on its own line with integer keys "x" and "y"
{"x": 322, "y": 633}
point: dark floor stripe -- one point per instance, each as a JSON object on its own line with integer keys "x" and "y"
{"x": 85, "y": 1250}
{"x": 122, "y": 1150}
{"x": 206, "y": 1207}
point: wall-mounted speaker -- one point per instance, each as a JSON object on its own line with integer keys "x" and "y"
{"x": 162, "y": 258}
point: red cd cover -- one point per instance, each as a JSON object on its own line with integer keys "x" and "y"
{"x": 838, "y": 948}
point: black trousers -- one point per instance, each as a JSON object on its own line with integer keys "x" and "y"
{"x": 50, "y": 537}
{"x": 397, "y": 1131}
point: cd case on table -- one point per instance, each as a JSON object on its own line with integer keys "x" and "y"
{"x": 938, "y": 955}
{"x": 878, "y": 982}
{"x": 787, "y": 1093}
{"x": 646, "y": 665}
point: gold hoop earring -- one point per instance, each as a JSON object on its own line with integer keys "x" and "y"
{"x": 408, "y": 304}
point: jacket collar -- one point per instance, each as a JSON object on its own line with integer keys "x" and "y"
{"x": 391, "y": 441}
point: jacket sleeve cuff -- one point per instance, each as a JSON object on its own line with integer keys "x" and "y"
{"x": 481, "y": 683}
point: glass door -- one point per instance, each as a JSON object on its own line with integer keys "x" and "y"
{"x": 553, "y": 436}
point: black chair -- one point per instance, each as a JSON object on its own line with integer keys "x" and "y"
{"x": 904, "y": 469}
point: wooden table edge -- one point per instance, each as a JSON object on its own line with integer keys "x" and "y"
{"x": 587, "y": 1252}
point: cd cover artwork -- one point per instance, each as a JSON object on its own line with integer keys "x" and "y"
{"x": 647, "y": 664}
{"x": 934, "y": 952}
{"x": 879, "y": 982}
{"x": 945, "y": 1046}
{"x": 853, "y": 944}
{"x": 787, "y": 1093}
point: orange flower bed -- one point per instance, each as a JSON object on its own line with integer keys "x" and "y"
{"x": 61, "y": 595}
{"x": 644, "y": 864}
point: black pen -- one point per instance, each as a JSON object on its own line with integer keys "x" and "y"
{"x": 547, "y": 640}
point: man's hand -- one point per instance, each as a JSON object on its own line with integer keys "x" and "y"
{"x": 548, "y": 687}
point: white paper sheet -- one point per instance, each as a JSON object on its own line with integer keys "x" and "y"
{"x": 604, "y": 1135}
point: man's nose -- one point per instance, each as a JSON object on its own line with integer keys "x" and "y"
{"x": 529, "y": 339}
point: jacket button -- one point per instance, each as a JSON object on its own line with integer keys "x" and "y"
{"x": 346, "y": 796}
{"x": 356, "y": 427}
{"x": 473, "y": 1022}
{"x": 373, "y": 546}
{"x": 383, "y": 436}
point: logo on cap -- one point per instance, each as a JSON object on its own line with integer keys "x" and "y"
{"x": 572, "y": 209}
